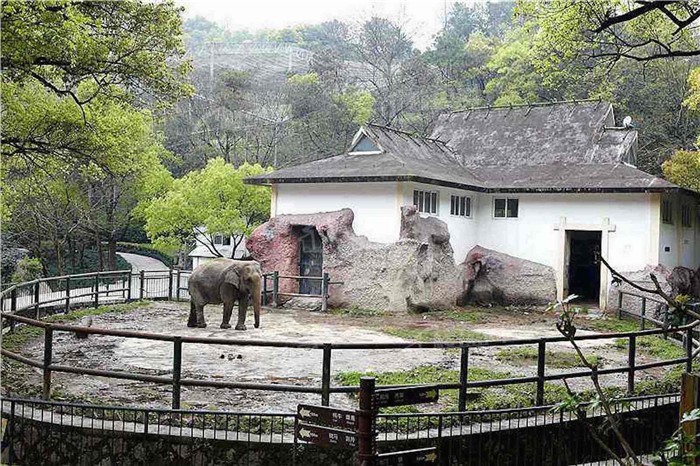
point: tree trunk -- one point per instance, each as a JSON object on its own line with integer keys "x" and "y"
{"x": 112, "y": 254}
{"x": 98, "y": 247}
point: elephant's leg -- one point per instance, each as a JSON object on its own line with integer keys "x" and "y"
{"x": 192, "y": 320}
{"x": 242, "y": 311}
{"x": 228, "y": 310}
{"x": 201, "y": 323}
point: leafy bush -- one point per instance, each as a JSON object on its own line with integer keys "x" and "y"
{"x": 27, "y": 269}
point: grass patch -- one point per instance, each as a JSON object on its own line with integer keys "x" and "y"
{"x": 609, "y": 325}
{"x": 356, "y": 312}
{"x": 434, "y": 334}
{"x": 470, "y": 315}
{"x": 556, "y": 359}
{"x": 654, "y": 346}
{"x": 14, "y": 341}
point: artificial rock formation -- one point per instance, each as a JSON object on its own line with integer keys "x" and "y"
{"x": 491, "y": 277}
{"x": 416, "y": 272}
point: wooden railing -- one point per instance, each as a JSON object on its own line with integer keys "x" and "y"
{"x": 47, "y": 366}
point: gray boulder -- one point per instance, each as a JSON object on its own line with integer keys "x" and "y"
{"x": 492, "y": 277}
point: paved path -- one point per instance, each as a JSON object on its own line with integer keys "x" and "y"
{"x": 139, "y": 262}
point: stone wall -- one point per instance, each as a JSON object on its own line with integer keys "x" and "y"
{"x": 418, "y": 271}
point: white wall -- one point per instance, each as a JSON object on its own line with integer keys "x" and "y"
{"x": 680, "y": 245}
{"x": 463, "y": 230}
{"x": 376, "y": 205}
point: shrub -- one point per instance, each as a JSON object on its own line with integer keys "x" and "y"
{"x": 27, "y": 269}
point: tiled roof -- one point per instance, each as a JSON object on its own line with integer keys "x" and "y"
{"x": 559, "y": 147}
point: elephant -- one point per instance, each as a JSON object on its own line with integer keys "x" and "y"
{"x": 225, "y": 281}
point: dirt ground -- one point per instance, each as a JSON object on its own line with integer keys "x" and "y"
{"x": 277, "y": 365}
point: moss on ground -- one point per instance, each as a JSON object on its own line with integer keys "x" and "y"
{"x": 654, "y": 346}
{"x": 556, "y": 359}
{"x": 356, "y": 312}
{"x": 435, "y": 334}
{"x": 608, "y": 325}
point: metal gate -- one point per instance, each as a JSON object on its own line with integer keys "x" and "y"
{"x": 310, "y": 260}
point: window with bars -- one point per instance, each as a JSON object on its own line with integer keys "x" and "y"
{"x": 426, "y": 201}
{"x": 505, "y": 207}
{"x": 461, "y": 206}
{"x": 686, "y": 216}
{"x": 667, "y": 211}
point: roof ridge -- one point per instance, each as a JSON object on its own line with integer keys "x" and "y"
{"x": 411, "y": 135}
{"x": 529, "y": 104}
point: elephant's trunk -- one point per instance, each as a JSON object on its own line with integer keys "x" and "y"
{"x": 255, "y": 295}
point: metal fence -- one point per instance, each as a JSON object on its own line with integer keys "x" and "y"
{"x": 38, "y": 432}
{"x": 175, "y": 380}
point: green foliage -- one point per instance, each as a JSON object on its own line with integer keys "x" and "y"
{"x": 557, "y": 359}
{"x": 214, "y": 200}
{"x": 683, "y": 168}
{"x": 435, "y": 334}
{"x": 28, "y": 269}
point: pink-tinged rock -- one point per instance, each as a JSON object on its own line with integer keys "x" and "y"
{"x": 417, "y": 271}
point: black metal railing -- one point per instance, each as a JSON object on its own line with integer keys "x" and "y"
{"x": 271, "y": 291}
{"x": 39, "y": 432}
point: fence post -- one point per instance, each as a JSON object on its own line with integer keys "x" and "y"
{"x": 67, "y": 295}
{"x": 97, "y": 289}
{"x": 275, "y": 288}
{"x": 36, "y": 299}
{"x": 142, "y": 283}
{"x": 366, "y": 445}
{"x": 128, "y": 287}
{"x": 264, "y": 291}
{"x": 644, "y": 312}
{"x": 324, "y": 292}
{"x": 177, "y": 285}
{"x": 463, "y": 378}
{"x": 326, "y": 375}
{"x": 631, "y": 363}
{"x": 48, "y": 350}
{"x": 540, "y": 373}
{"x": 690, "y": 389}
{"x": 13, "y": 300}
{"x": 170, "y": 284}
{"x": 177, "y": 370}
{"x": 689, "y": 350}
{"x": 620, "y": 294}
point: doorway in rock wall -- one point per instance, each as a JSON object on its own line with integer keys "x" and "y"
{"x": 584, "y": 265}
{"x": 310, "y": 259}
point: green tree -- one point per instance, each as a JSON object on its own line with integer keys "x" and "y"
{"x": 69, "y": 53}
{"x": 206, "y": 202}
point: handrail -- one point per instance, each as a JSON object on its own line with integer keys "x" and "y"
{"x": 691, "y": 346}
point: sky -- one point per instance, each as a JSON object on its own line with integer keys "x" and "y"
{"x": 422, "y": 18}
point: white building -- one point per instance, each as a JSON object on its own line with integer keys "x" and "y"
{"x": 208, "y": 246}
{"x": 549, "y": 183}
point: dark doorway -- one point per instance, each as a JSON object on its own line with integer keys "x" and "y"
{"x": 310, "y": 260}
{"x": 584, "y": 265}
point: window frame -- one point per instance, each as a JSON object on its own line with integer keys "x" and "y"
{"x": 218, "y": 239}
{"x": 667, "y": 211}
{"x": 686, "y": 209}
{"x": 505, "y": 208}
{"x": 468, "y": 207}
{"x": 419, "y": 195}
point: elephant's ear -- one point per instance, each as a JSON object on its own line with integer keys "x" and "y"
{"x": 232, "y": 276}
